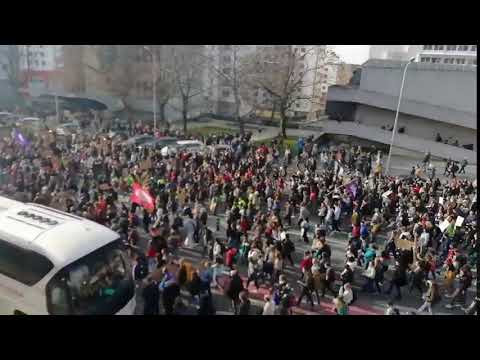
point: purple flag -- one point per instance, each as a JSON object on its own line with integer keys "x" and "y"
{"x": 352, "y": 189}
{"x": 20, "y": 138}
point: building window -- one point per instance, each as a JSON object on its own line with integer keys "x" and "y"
{"x": 474, "y": 62}
{"x": 107, "y": 80}
{"x": 451, "y": 47}
{"x": 463, "y": 48}
{"x": 44, "y": 63}
{"x": 474, "y": 48}
{"x": 460, "y": 61}
{"x": 427, "y": 47}
{"x": 225, "y": 93}
{"x": 227, "y": 71}
{"x": 302, "y": 50}
{"x": 227, "y": 59}
{"x": 438, "y": 47}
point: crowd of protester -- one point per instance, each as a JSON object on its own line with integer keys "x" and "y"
{"x": 265, "y": 197}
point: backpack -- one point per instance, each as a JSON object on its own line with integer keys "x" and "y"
{"x": 141, "y": 270}
{"x": 330, "y": 275}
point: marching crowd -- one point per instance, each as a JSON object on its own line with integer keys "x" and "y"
{"x": 431, "y": 228}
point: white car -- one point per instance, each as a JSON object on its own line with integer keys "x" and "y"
{"x": 30, "y": 122}
{"x": 191, "y": 145}
{"x": 67, "y": 129}
{"x": 188, "y": 145}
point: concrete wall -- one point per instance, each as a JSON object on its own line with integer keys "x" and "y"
{"x": 443, "y": 85}
{"x": 415, "y": 126}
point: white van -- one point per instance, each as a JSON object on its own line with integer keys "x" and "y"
{"x": 56, "y": 263}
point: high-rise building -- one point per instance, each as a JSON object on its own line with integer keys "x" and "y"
{"x": 448, "y": 54}
{"x": 445, "y": 54}
{"x": 41, "y": 66}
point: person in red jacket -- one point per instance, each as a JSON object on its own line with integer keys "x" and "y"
{"x": 306, "y": 263}
{"x": 230, "y": 256}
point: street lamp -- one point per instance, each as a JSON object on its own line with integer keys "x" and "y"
{"x": 396, "y": 116}
{"x": 154, "y": 76}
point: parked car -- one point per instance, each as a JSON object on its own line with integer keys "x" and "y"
{"x": 191, "y": 145}
{"x": 68, "y": 129}
{"x": 161, "y": 142}
{"x": 139, "y": 140}
{"x": 32, "y": 123}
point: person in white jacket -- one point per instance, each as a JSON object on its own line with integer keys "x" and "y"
{"x": 346, "y": 293}
{"x": 269, "y": 307}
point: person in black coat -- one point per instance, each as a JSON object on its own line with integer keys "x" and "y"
{"x": 151, "y": 298}
{"x": 244, "y": 308}
{"x": 206, "y": 306}
{"x": 288, "y": 247}
{"x": 170, "y": 293}
{"x": 234, "y": 288}
{"x": 399, "y": 279}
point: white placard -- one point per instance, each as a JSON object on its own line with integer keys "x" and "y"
{"x": 387, "y": 194}
{"x": 459, "y": 221}
{"x": 443, "y": 225}
{"x": 440, "y": 200}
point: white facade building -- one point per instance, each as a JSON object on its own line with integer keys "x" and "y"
{"x": 218, "y": 95}
{"x": 448, "y": 54}
{"x": 41, "y": 57}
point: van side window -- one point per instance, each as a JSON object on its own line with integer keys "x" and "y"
{"x": 25, "y": 266}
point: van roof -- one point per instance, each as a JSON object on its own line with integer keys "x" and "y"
{"x": 61, "y": 237}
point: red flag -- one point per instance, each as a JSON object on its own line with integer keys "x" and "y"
{"x": 142, "y": 197}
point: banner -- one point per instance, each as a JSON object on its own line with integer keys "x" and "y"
{"x": 142, "y": 197}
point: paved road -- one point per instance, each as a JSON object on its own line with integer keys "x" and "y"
{"x": 367, "y": 304}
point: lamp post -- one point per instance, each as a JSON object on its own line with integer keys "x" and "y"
{"x": 394, "y": 131}
{"x": 154, "y": 81}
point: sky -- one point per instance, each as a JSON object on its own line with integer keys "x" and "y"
{"x": 352, "y": 54}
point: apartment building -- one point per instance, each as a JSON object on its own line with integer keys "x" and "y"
{"x": 448, "y": 54}
{"x": 42, "y": 66}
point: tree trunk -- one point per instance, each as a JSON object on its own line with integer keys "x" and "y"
{"x": 128, "y": 113}
{"x": 238, "y": 118}
{"x": 185, "y": 115}
{"x": 273, "y": 111}
{"x": 185, "y": 120}
{"x": 162, "y": 112}
{"x": 283, "y": 121}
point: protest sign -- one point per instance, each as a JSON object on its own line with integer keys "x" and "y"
{"x": 443, "y": 225}
{"x": 146, "y": 164}
{"x": 440, "y": 200}
{"x": 387, "y": 194}
{"x": 459, "y": 221}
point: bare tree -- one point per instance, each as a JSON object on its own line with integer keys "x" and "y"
{"x": 117, "y": 64}
{"x": 285, "y": 75}
{"x": 165, "y": 81}
{"x": 187, "y": 74}
{"x": 230, "y": 66}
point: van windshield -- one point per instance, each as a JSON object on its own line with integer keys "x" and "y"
{"x": 98, "y": 284}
